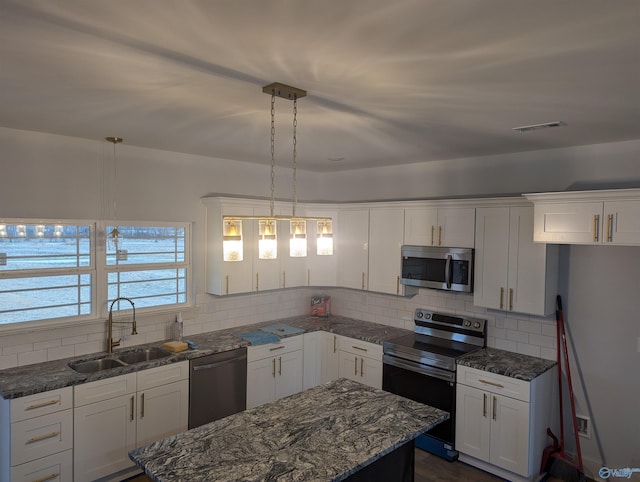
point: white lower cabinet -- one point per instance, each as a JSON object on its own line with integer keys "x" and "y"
{"x": 274, "y": 370}
{"x": 501, "y": 422}
{"x": 116, "y": 415}
{"x": 36, "y": 437}
{"x": 330, "y": 357}
{"x": 360, "y": 361}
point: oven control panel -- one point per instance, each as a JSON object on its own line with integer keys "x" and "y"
{"x": 427, "y": 317}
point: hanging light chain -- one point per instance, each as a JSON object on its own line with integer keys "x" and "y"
{"x": 273, "y": 159}
{"x": 295, "y": 142}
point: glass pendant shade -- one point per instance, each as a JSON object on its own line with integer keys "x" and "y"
{"x": 232, "y": 240}
{"x": 267, "y": 240}
{"x": 298, "y": 243}
{"x": 325, "y": 238}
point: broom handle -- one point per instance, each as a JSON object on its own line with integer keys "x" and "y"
{"x": 571, "y": 400}
{"x": 559, "y": 356}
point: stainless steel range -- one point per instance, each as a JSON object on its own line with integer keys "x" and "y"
{"x": 422, "y": 366}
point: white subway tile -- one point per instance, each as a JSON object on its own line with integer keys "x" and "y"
{"x": 73, "y": 340}
{"x": 44, "y": 345}
{"x": 10, "y": 350}
{"x": 30, "y": 357}
{"x": 548, "y": 354}
{"x": 527, "y": 349}
{"x": 507, "y": 345}
{"x": 542, "y": 341}
{"x": 8, "y": 361}
{"x": 517, "y": 336}
{"x": 60, "y": 352}
{"x": 529, "y": 326}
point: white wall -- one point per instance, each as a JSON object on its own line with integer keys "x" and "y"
{"x": 46, "y": 176}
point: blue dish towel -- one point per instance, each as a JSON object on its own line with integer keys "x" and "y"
{"x": 282, "y": 330}
{"x": 259, "y": 337}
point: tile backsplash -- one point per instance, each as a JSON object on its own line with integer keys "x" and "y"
{"x": 519, "y": 333}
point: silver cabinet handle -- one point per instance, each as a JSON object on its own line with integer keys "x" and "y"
{"x": 257, "y": 281}
{"x": 142, "y": 406}
{"x": 510, "y": 299}
{"x": 432, "y": 230}
{"x": 495, "y": 403}
{"x": 355, "y": 371}
{"x": 43, "y": 404}
{"x": 358, "y": 348}
{"x": 610, "y": 228}
{"x": 273, "y": 371}
{"x": 398, "y": 285}
{"x": 363, "y": 280}
{"x": 47, "y": 477}
{"x": 226, "y": 279}
{"x": 280, "y": 365}
{"x": 596, "y": 221}
{"x": 361, "y": 366}
{"x": 334, "y": 343}
{"x": 501, "y": 297}
{"x": 132, "y": 413}
{"x": 280, "y": 347}
{"x": 447, "y": 271}
{"x": 488, "y": 382}
{"x": 484, "y": 405}
{"x": 43, "y": 437}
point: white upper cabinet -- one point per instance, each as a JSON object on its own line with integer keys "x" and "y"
{"x": 353, "y": 248}
{"x": 386, "y": 235}
{"x": 512, "y": 272}
{"x": 440, "y": 226}
{"x": 588, "y": 217}
{"x": 321, "y": 268}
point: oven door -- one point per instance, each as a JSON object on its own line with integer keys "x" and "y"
{"x": 431, "y": 386}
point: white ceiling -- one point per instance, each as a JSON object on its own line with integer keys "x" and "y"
{"x": 389, "y": 82}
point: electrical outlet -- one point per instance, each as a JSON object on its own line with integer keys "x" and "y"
{"x": 3, "y": 262}
{"x": 584, "y": 426}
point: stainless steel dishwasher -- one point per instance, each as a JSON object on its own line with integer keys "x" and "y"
{"x": 217, "y": 386}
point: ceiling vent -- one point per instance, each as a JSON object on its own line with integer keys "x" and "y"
{"x": 535, "y": 127}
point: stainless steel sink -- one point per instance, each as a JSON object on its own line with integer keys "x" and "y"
{"x": 92, "y": 366}
{"x": 143, "y": 355}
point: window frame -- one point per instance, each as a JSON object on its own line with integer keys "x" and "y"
{"x": 99, "y": 271}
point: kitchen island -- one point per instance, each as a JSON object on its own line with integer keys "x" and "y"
{"x": 330, "y": 432}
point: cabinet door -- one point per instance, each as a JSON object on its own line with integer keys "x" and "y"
{"x": 509, "y": 434}
{"x": 386, "y": 234}
{"x": 349, "y": 366}
{"x": 293, "y": 270}
{"x": 288, "y": 374}
{"x": 456, "y": 227}
{"x": 261, "y": 382}
{"x": 491, "y": 257}
{"x": 54, "y": 468}
{"x": 321, "y": 268}
{"x": 473, "y": 422}
{"x": 371, "y": 372}
{"x": 622, "y": 222}
{"x": 533, "y": 268}
{"x": 420, "y": 225}
{"x": 330, "y": 357}
{"x": 104, "y": 433}
{"x": 568, "y": 222}
{"x": 352, "y": 248}
{"x": 162, "y": 411}
{"x": 312, "y": 364}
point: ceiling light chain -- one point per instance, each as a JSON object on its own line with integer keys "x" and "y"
{"x": 295, "y": 152}
{"x": 273, "y": 161}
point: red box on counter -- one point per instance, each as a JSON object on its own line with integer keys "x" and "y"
{"x": 320, "y": 305}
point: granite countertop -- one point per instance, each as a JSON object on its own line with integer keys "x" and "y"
{"x": 509, "y": 364}
{"x": 40, "y": 377}
{"x": 326, "y": 433}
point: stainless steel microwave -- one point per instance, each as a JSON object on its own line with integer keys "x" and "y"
{"x": 440, "y": 268}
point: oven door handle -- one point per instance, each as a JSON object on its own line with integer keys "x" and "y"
{"x": 447, "y": 271}
{"x": 418, "y": 368}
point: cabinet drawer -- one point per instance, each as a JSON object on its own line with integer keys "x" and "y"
{"x": 361, "y": 348}
{"x": 41, "y": 436}
{"x": 54, "y": 468}
{"x": 154, "y": 377}
{"x": 498, "y": 384}
{"x": 271, "y": 349}
{"x": 104, "y": 389}
{"x": 41, "y": 404}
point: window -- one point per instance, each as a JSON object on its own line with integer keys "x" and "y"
{"x": 151, "y": 265}
{"x": 57, "y": 271}
{"x": 46, "y": 271}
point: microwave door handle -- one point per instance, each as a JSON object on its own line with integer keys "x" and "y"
{"x": 447, "y": 271}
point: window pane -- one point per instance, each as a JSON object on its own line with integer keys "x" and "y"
{"x": 149, "y": 287}
{"x": 147, "y": 245}
{"x": 44, "y": 246}
{"x": 41, "y": 297}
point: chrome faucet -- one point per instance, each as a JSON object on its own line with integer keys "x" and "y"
{"x": 111, "y": 344}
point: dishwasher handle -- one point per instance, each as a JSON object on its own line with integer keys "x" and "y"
{"x": 209, "y": 366}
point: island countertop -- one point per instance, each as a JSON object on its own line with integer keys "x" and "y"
{"x": 326, "y": 433}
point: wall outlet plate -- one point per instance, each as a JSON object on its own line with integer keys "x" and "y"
{"x": 3, "y": 262}
{"x": 584, "y": 426}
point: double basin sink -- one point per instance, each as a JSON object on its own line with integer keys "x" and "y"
{"x": 118, "y": 360}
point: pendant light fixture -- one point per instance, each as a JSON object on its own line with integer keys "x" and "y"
{"x": 114, "y": 237}
{"x": 325, "y": 238}
{"x": 267, "y": 225}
